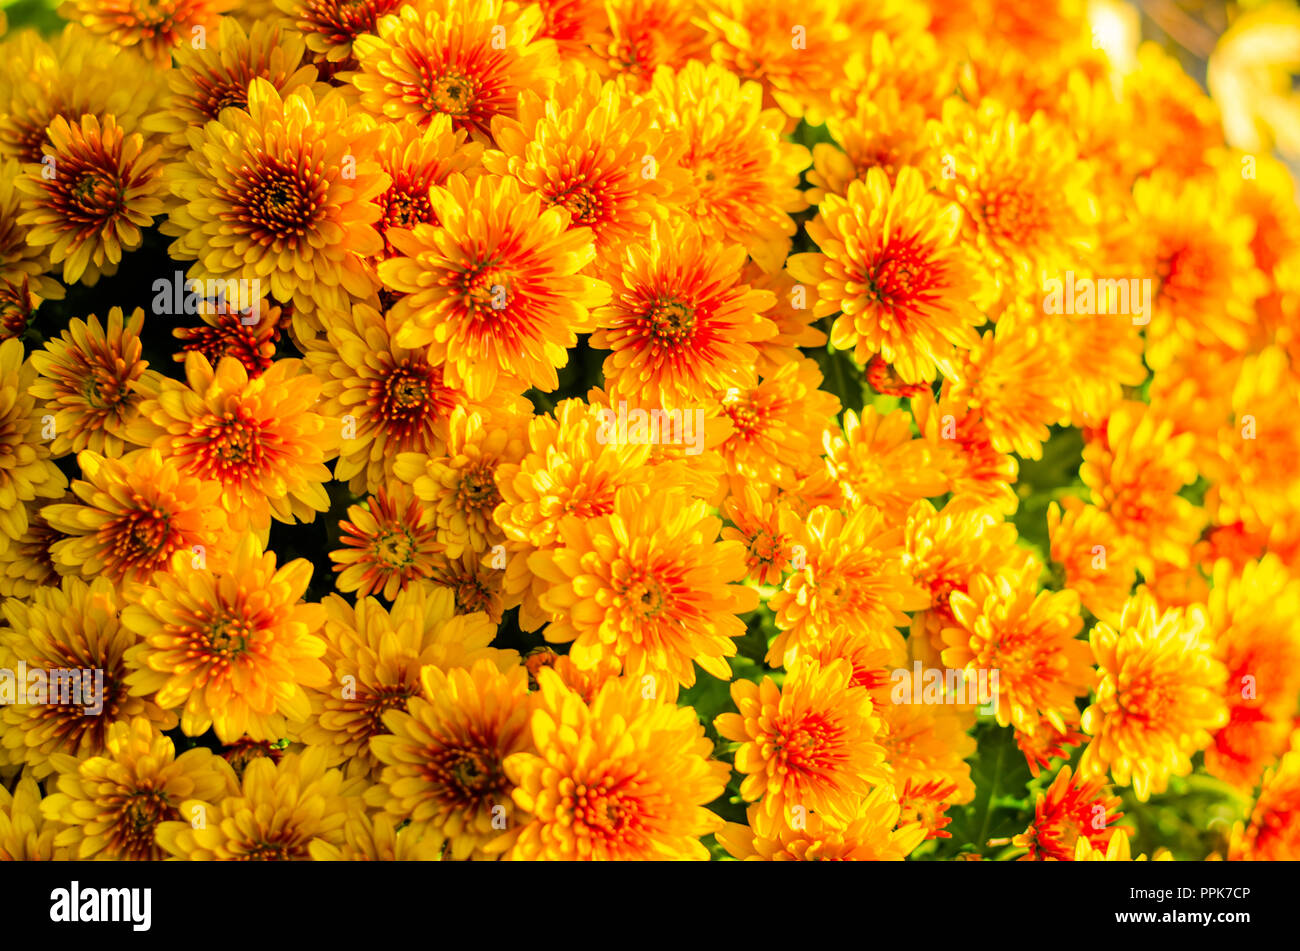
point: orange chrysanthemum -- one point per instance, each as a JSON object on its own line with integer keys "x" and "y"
{"x": 874, "y": 832}
{"x": 745, "y": 175}
{"x": 90, "y": 195}
{"x": 1135, "y": 468}
{"x": 233, "y": 647}
{"x": 1159, "y": 696}
{"x": 156, "y": 27}
{"x": 852, "y": 574}
{"x": 131, "y": 515}
{"x": 494, "y": 289}
{"x": 650, "y": 584}
{"x": 681, "y": 325}
{"x": 1001, "y": 624}
{"x": 467, "y": 60}
{"x": 1073, "y": 808}
{"x": 621, "y": 776}
{"x": 808, "y": 747}
{"x": 388, "y": 543}
{"x": 595, "y": 151}
{"x": 891, "y": 264}
{"x": 570, "y": 470}
{"x": 1097, "y": 564}
{"x": 261, "y": 441}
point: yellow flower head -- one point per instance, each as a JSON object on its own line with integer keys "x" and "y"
{"x": 443, "y": 762}
{"x": 1159, "y": 696}
{"x": 233, "y": 648}
{"x": 113, "y": 803}
{"x": 622, "y": 776}
{"x": 808, "y": 747}
{"x": 650, "y": 584}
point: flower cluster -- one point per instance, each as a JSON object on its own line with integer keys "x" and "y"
{"x": 642, "y": 429}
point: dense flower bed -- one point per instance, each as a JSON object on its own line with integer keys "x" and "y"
{"x": 470, "y": 429}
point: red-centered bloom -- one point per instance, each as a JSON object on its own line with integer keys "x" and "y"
{"x": 465, "y": 59}
{"x": 1072, "y": 808}
{"x": 494, "y": 290}
{"x": 682, "y": 324}
{"x": 892, "y": 264}
{"x": 90, "y": 196}
{"x": 387, "y": 544}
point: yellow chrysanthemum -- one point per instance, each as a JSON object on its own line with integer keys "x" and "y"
{"x": 75, "y": 629}
{"x": 465, "y": 59}
{"x": 131, "y": 515}
{"x": 881, "y": 132}
{"x": 88, "y": 381}
{"x": 443, "y": 762}
{"x": 90, "y": 195}
{"x": 1028, "y": 637}
{"x": 281, "y": 191}
{"x": 23, "y": 265}
{"x": 378, "y": 838}
{"x": 25, "y": 834}
{"x": 279, "y": 811}
{"x": 375, "y": 657}
{"x": 460, "y": 486}
{"x": 847, "y": 571}
{"x": 27, "y": 563}
{"x": 873, "y": 833}
{"x": 1159, "y": 696}
{"x": 807, "y": 747}
{"x": 217, "y": 76}
{"x": 113, "y": 803}
{"x": 650, "y": 584}
{"x": 892, "y": 265}
{"x": 74, "y": 75}
{"x": 621, "y": 777}
{"x": 878, "y": 463}
{"x": 262, "y": 441}
{"x": 494, "y": 289}
{"x": 233, "y": 647}
{"x": 26, "y": 470}
{"x": 745, "y": 175}
{"x": 391, "y": 399}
